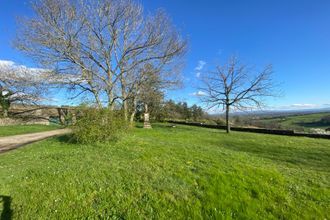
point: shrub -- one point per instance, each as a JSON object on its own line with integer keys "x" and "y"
{"x": 220, "y": 121}
{"x": 98, "y": 126}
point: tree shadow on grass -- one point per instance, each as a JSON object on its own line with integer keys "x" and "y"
{"x": 316, "y": 158}
{"x": 67, "y": 138}
{"x": 139, "y": 125}
{"x": 6, "y": 213}
{"x": 72, "y": 141}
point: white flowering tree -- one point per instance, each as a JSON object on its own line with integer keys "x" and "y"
{"x": 20, "y": 84}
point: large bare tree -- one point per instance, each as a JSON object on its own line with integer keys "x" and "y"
{"x": 103, "y": 42}
{"x": 236, "y": 86}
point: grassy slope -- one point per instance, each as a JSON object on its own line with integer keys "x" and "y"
{"x": 308, "y": 121}
{"x": 301, "y": 122}
{"x": 167, "y": 172}
{"x": 25, "y": 129}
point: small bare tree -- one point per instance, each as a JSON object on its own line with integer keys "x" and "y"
{"x": 102, "y": 42}
{"x": 148, "y": 86}
{"x": 236, "y": 86}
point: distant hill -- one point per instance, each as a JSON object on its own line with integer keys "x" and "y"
{"x": 274, "y": 113}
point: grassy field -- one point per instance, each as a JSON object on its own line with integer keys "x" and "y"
{"x": 169, "y": 173}
{"x": 25, "y": 129}
{"x": 299, "y": 122}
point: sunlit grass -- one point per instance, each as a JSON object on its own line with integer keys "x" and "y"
{"x": 25, "y": 129}
{"x": 171, "y": 173}
{"x": 300, "y": 122}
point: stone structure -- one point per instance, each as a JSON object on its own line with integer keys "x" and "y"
{"x": 146, "y": 123}
{"x": 23, "y": 114}
{"x": 10, "y": 121}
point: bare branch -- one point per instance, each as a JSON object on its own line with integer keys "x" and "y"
{"x": 235, "y": 85}
{"x": 104, "y": 43}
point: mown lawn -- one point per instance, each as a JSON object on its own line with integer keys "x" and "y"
{"x": 170, "y": 173}
{"x": 25, "y": 129}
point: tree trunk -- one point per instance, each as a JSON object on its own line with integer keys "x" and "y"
{"x": 124, "y": 94}
{"x": 96, "y": 96}
{"x": 131, "y": 120}
{"x": 111, "y": 103}
{"x": 133, "y": 112}
{"x": 125, "y": 110}
{"x": 227, "y": 119}
{"x": 98, "y": 102}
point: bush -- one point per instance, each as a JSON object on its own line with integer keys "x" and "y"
{"x": 220, "y": 121}
{"x": 98, "y": 126}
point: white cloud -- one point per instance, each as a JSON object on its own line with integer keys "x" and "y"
{"x": 199, "y": 93}
{"x": 10, "y": 70}
{"x": 299, "y": 106}
{"x": 200, "y": 65}
{"x": 6, "y": 63}
{"x": 304, "y": 105}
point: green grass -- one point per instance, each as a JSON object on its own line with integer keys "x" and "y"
{"x": 170, "y": 173}
{"x": 300, "y": 122}
{"x": 25, "y": 129}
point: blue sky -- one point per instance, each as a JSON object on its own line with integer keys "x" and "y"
{"x": 292, "y": 35}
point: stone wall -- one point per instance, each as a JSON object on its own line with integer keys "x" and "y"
{"x": 9, "y": 121}
{"x": 25, "y": 121}
{"x": 24, "y": 114}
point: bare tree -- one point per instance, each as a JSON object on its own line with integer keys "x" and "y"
{"x": 236, "y": 86}
{"x": 103, "y": 42}
{"x": 148, "y": 85}
{"x": 150, "y": 92}
{"x": 19, "y": 84}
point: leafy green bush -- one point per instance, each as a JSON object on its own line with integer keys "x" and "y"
{"x": 98, "y": 126}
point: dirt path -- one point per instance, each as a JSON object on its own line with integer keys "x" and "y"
{"x": 16, "y": 141}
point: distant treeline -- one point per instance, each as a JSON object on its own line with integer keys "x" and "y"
{"x": 181, "y": 111}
